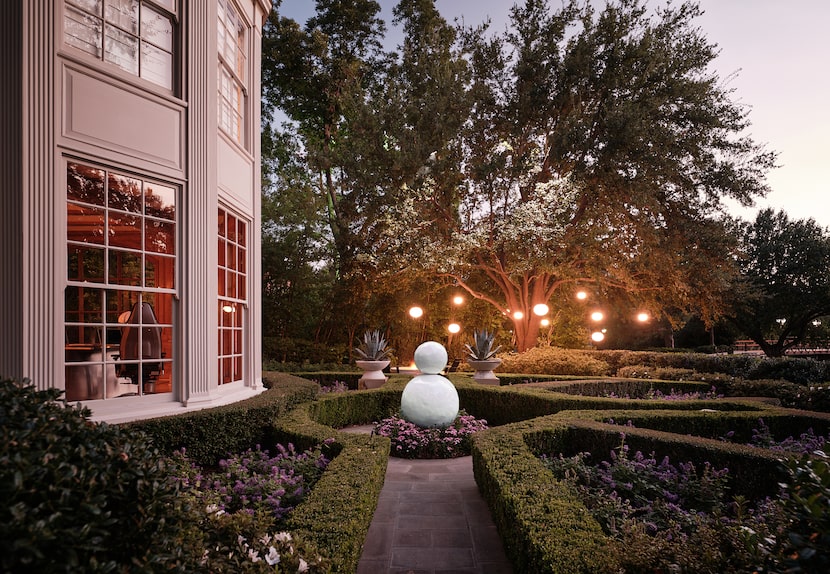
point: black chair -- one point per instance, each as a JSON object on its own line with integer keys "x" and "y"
{"x": 453, "y": 367}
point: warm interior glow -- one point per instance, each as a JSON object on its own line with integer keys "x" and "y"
{"x": 518, "y": 315}
{"x": 581, "y": 295}
{"x": 597, "y": 316}
{"x": 227, "y": 308}
{"x": 416, "y": 312}
{"x": 453, "y": 328}
{"x": 541, "y": 309}
{"x": 597, "y": 336}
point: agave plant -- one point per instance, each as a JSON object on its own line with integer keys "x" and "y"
{"x": 482, "y": 347}
{"x": 374, "y": 347}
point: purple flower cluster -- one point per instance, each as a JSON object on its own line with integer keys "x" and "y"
{"x": 807, "y": 443}
{"x": 411, "y": 441}
{"x": 636, "y": 497}
{"x": 335, "y": 387}
{"x": 256, "y": 481}
{"x": 672, "y": 395}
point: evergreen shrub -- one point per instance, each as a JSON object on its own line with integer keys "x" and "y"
{"x": 80, "y": 496}
{"x": 555, "y": 361}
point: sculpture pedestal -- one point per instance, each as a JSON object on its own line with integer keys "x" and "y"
{"x": 484, "y": 371}
{"x": 373, "y": 376}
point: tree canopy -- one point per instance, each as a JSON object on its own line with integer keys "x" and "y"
{"x": 580, "y": 148}
{"x": 785, "y": 280}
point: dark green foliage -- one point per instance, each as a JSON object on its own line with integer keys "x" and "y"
{"x": 209, "y": 435}
{"x": 336, "y": 516}
{"x": 784, "y": 285}
{"x": 807, "y": 547}
{"x": 80, "y": 496}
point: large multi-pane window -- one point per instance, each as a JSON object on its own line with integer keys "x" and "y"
{"x": 135, "y": 35}
{"x": 121, "y": 270}
{"x": 233, "y": 289}
{"x": 233, "y": 61}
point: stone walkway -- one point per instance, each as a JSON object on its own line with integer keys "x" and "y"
{"x": 431, "y": 519}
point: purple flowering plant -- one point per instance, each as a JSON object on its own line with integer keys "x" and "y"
{"x": 411, "y": 441}
{"x": 663, "y": 516}
{"x": 256, "y": 481}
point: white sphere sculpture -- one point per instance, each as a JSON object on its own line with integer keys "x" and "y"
{"x": 430, "y": 400}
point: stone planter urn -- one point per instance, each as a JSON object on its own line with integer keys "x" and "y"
{"x": 373, "y": 376}
{"x": 484, "y": 371}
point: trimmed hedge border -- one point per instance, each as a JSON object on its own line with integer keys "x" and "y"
{"x": 211, "y": 434}
{"x": 543, "y": 524}
{"x": 336, "y": 516}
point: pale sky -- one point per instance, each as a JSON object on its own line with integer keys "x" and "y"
{"x": 777, "y": 53}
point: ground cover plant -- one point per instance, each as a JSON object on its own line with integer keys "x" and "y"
{"x": 664, "y": 517}
{"x": 673, "y": 395}
{"x": 411, "y": 441}
{"x": 246, "y": 501}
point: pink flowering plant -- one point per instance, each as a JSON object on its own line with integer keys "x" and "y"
{"x": 411, "y": 441}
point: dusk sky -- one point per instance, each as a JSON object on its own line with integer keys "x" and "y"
{"x": 775, "y": 54}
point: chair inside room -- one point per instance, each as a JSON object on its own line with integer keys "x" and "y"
{"x": 142, "y": 320}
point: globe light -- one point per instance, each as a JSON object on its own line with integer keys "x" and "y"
{"x": 597, "y": 316}
{"x": 458, "y": 300}
{"x": 581, "y": 295}
{"x": 541, "y": 309}
{"x": 597, "y": 336}
{"x": 416, "y": 312}
{"x": 518, "y": 315}
{"x": 453, "y": 328}
{"x": 545, "y": 322}
{"x": 642, "y": 317}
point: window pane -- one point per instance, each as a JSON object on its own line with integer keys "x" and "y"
{"x": 121, "y": 49}
{"x": 84, "y": 224}
{"x": 160, "y": 236}
{"x": 93, "y": 6}
{"x": 85, "y": 264}
{"x": 159, "y": 271}
{"x": 231, "y": 256}
{"x": 82, "y": 31}
{"x": 124, "y": 230}
{"x": 84, "y": 184}
{"x": 240, "y": 233}
{"x": 227, "y": 341}
{"x": 156, "y": 28}
{"x": 241, "y": 293}
{"x": 231, "y": 227}
{"x": 237, "y": 369}
{"x": 221, "y": 282}
{"x": 83, "y": 305}
{"x": 157, "y": 66}
{"x": 123, "y": 13}
{"x": 160, "y": 201}
{"x": 124, "y": 193}
{"x": 241, "y": 259}
{"x": 231, "y": 285}
{"x": 125, "y": 268}
{"x": 222, "y": 250}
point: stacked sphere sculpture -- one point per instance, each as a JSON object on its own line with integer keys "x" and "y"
{"x": 429, "y": 399}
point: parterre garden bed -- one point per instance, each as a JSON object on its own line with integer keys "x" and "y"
{"x": 544, "y": 525}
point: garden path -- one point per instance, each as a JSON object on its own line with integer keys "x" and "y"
{"x": 431, "y": 519}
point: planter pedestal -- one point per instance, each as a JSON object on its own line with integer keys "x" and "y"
{"x": 484, "y": 371}
{"x": 373, "y": 376}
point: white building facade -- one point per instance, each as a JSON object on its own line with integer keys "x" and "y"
{"x": 131, "y": 201}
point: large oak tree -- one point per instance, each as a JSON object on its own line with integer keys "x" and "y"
{"x": 598, "y": 152}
